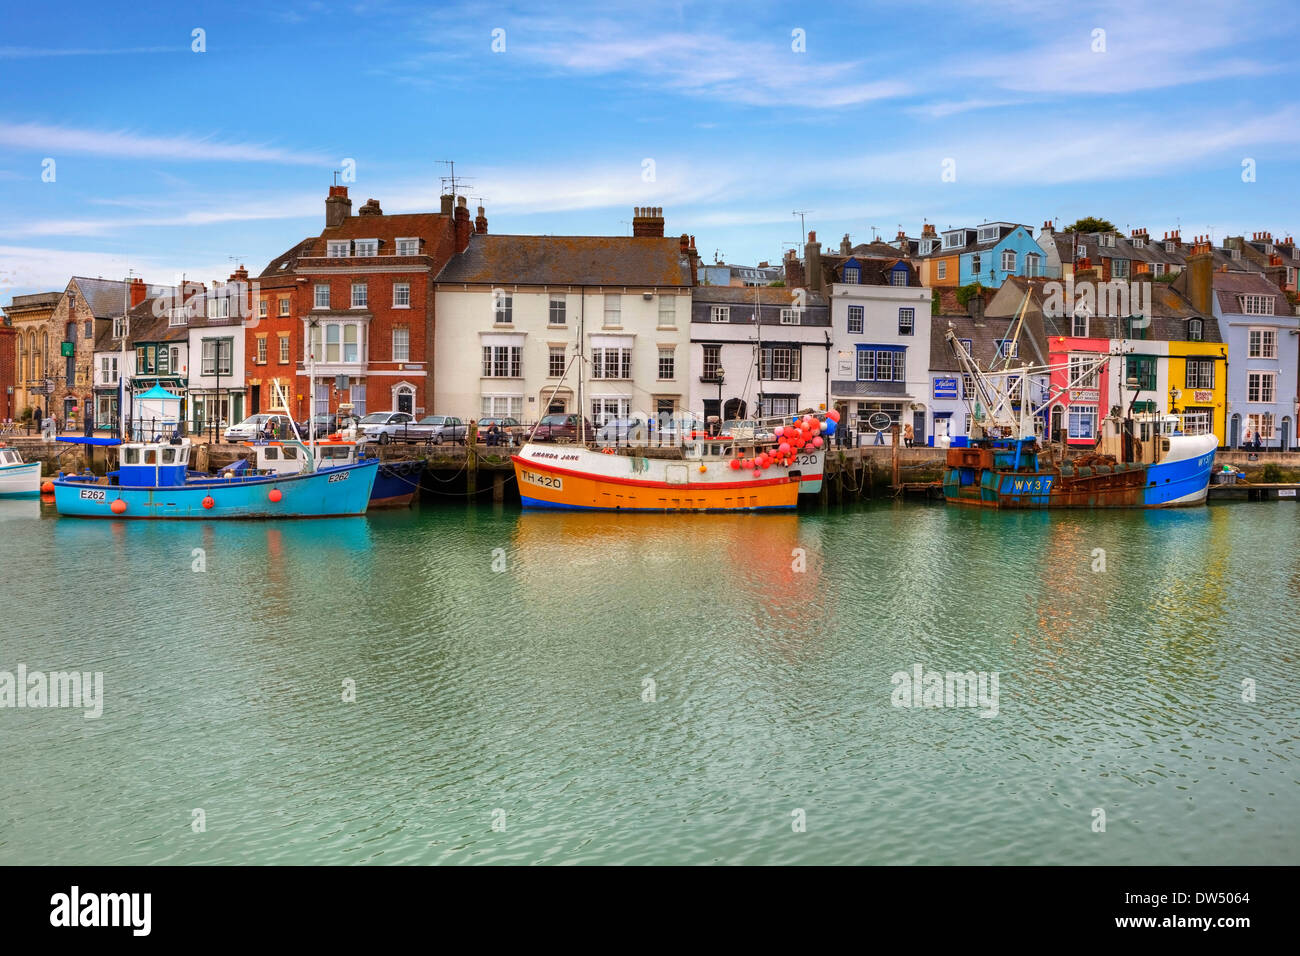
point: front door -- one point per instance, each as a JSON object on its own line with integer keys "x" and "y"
{"x": 1234, "y": 434}
{"x": 405, "y": 401}
{"x": 918, "y": 428}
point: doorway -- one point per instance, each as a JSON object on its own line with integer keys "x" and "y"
{"x": 1234, "y": 432}
{"x": 733, "y": 409}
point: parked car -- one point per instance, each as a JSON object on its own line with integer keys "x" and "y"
{"x": 258, "y": 426}
{"x": 510, "y": 431}
{"x": 561, "y": 426}
{"x": 384, "y": 427}
{"x": 324, "y": 425}
{"x": 436, "y": 429}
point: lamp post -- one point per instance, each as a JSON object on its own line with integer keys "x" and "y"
{"x": 721, "y": 375}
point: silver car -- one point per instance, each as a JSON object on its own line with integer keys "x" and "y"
{"x": 384, "y": 427}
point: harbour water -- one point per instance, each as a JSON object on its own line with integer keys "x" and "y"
{"x": 585, "y": 688}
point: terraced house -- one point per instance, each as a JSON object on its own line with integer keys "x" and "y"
{"x": 987, "y": 253}
{"x": 758, "y": 351}
{"x": 880, "y": 334}
{"x": 361, "y": 295}
{"x": 1263, "y": 337}
{"x": 510, "y": 310}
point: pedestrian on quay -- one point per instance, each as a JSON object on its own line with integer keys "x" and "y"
{"x": 908, "y": 436}
{"x": 880, "y": 437}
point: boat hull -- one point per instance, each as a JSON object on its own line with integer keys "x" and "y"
{"x": 20, "y": 481}
{"x": 396, "y": 484}
{"x": 1170, "y": 484}
{"x": 571, "y": 477}
{"x": 328, "y": 493}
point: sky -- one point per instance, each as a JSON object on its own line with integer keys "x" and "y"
{"x": 174, "y": 140}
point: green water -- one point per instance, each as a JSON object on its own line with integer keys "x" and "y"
{"x": 517, "y": 697}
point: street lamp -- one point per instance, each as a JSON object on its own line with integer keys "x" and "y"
{"x": 721, "y": 375}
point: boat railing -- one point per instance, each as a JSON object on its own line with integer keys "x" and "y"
{"x": 1195, "y": 423}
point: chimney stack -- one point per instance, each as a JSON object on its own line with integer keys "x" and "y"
{"x": 812, "y": 257}
{"x": 139, "y": 292}
{"x": 1200, "y": 277}
{"x": 463, "y": 225}
{"x": 846, "y": 247}
{"x": 370, "y": 208}
{"x": 794, "y": 277}
{"x": 927, "y": 231}
{"x": 337, "y": 206}
{"x": 448, "y": 204}
{"x": 648, "y": 222}
{"x": 239, "y": 275}
{"x": 480, "y": 222}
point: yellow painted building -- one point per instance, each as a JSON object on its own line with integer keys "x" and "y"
{"x": 1198, "y": 395}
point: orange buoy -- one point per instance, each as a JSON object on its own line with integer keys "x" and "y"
{"x": 703, "y": 468}
{"x": 47, "y": 488}
{"x": 118, "y": 506}
{"x": 208, "y": 502}
{"x": 275, "y": 495}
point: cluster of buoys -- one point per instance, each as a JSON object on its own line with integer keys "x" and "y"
{"x": 805, "y": 432}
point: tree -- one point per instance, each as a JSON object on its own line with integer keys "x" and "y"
{"x": 1091, "y": 224}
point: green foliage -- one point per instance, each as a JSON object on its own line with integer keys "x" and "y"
{"x": 1271, "y": 474}
{"x": 934, "y": 302}
{"x": 1165, "y": 277}
{"x": 1091, "y": 224}
{"x": 965, "y": 292}
{"x": 776, "y": 284}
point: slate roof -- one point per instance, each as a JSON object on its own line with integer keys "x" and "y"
{"x": 1170, "y": 311}
{"x": 984, "y": 336}
{"x": 570, "y": 260}
{"x": 740, "y": 295}
{"x": 284, "y": 264}
{"x": 1229, "y": 285}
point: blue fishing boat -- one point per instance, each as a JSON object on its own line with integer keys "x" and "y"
{"x": 1147, "y": 460}
{"x": 153, "y": 480}
{"x": 18, "y": 479}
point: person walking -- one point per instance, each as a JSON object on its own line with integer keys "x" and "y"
{"x": 908, "y": 436}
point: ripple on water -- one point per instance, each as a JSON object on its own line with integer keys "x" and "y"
{"x": 646, "y": 689}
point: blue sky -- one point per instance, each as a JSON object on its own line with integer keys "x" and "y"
{"x": 168, "y": 160}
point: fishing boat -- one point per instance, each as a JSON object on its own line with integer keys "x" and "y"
{"x": 153, "y": 480}
{"x": 1148, "y": 460}
{"x": 18, "y": 479}
{"x": 720, "y": 473}
{"x": 396, "y": 482}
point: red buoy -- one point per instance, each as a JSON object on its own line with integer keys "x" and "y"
{"x": 208, "y": 502}
{"x": 118, "y": 506}
{"x": 47, "y": 488}
{"x": 275, "y": 495}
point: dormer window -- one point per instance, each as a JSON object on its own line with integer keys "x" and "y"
{"x": 177, "y": 317}
{"x": 988, "y": 233}
{"x": 1195, "y": 330}
{"x": 898, "y": 276}
{"x": 366, "y": 247}
{"x": 338, "y": 248}
{"x": 1236, "y": 254}
{"x": 1139, "y": 243}
{"x": 1170, "y": 247}
{"x": 408, "y": 247}
{"x": 952, "y": 240}
{"x": 852, "y": 275}
{"x": 1082, "y": 251}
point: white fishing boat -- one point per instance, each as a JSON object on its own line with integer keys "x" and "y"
{"x": 18, "y": 479}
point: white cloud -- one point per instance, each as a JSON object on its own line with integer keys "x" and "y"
{"x": 53, "y": 140}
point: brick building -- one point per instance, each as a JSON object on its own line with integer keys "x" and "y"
{"x": 8, "y": 372}
{"x": 360, "y": 300}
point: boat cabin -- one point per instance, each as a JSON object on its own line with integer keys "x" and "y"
{"x": 294, "y": 457}
{"x": 10, "y": 456}
{"x": 153, "y": 464}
